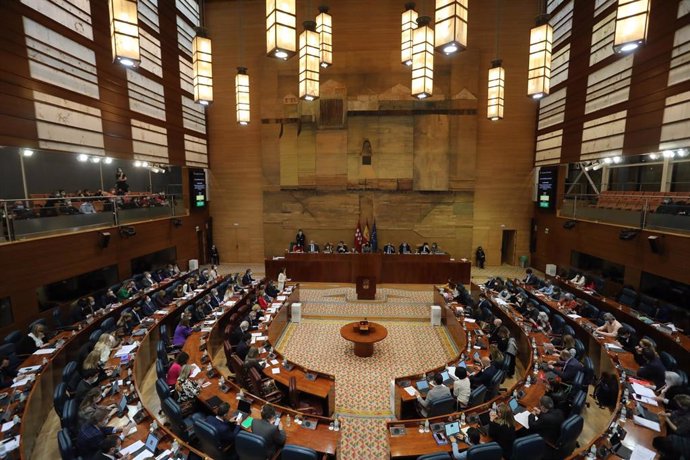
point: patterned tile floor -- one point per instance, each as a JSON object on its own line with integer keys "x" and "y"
{"x": 341, "y": 302}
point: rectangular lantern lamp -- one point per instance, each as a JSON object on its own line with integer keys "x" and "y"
{"x": 280, "y": 28}
{"x": 539, "y": 73}
{"x": 124, "y": 32}
{"x": 450, "y": 26}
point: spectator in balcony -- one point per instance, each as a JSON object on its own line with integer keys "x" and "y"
{"x": 121, "y": 186}
{"x": 86, "y": 207}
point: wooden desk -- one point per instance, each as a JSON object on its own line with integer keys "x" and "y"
{"x": 393, "y": 268}
{"x": 363, "y": 341}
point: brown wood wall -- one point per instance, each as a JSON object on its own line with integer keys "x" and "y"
{"x": 269, "y": 180}
{"x": 26, "y": 266}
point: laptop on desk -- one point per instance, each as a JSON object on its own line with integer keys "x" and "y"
{"x": 447, "y": 379}
{"x": 244, "y": 407}
{"x": 515, "y": 406}
{"x": 644, "y": 413}
{"x": 422, "y": 386}
{"x": 452, "y": 429}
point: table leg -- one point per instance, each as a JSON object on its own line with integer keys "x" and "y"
{"x": 364, "y": 350}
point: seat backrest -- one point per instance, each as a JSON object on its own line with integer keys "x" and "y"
{"x": 669, "y": 361}
{"x": 162, "y": 389}
{"x": 627, "y": 297}
{"x": 578, "y": 403}
{"x": 65, "y": 445}
{"x": 237, "y": 366}
{"x": 570, "y": 430}
{"x": 69, "y": 415}
{"x": 60, "y": 397}
{"x": 293, "y": 452}
{"x": 435, "y": 456}
{"x": 161, "y": 372}
{"x": 441, "y": 406}
{"x": 95, "y": 335}
{"x": 487, "y": 451}
{"x": 209, "y": 439}
{"x": 108, "y": 324}
{"x": 477, "y": 396}
{"x": 173, "y": 412}
{"x": 250, "y": 446}
{"x": 588, "y": 371}
{"x": 568, "y": 329}
{"x": 164, "y": 335}
{"x": 532, "y": 447}
{"x": 13, "y": 337}
{"x": 579, "y": 349}
{"x": 162, "y": 352}
{"x": 68, "y": 371}
{"x": 493, "y": 389}
{"x": 255, "y": 382}
{"x": 557, "y": 324}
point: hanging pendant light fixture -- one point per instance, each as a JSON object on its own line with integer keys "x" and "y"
{"x": 540, "y": 43}
{"x": 309, "y": 62}
{"x": 423, "y": 59}
{"x": 280, "y": 28}
{"x": 450, "y": 26}
{"x": 124, "y": 32}
{"x": 242, "y": 96}
{"x": 324, "y": 27}
{"x": 497, "y": 75}
{"x": 202, "y": 71}
{"x": 409, "y": 24}
{"x": 632, "y": 21}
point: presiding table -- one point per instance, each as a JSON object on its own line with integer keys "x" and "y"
{"x": 383, "y": 268}
{"x": 364, "y": 341}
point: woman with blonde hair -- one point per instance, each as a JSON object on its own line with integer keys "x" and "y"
{"x": 502, "y": 428}
{"x": 106, "y": 343}
{"x": 186, "y": 390}
{"x": 93, "y": 362}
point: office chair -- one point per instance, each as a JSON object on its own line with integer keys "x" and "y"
{"x": 627, "y": 297}
{"x": 578, "y": 382}
{"x": 237, "y": 367}
{"x": 442, "y": 406}
{"x": 13, "y": 337}
{"x": 567, "y": 441}
{"x": 435, "y": 456}
{"x": 487, "y": 451}
{"x": 292, "y": 452}
{"x": 108, "y": 325}
{"x": 578, "y": 403}
{"x": 568, "y": 330}
{"x": 669, "y": 361}
{"x": 162, "y": 389}
{"x": 95, "y": 335}
{"x": 68, "y": 372}
{"x": 588, "y": 370}
{"x": 557, "y": 324}
{"x": 70, "y": 412}
{"x": 257, "y": 387}
{"x": 477, "y": 396}
{"x": 250, "y": 446}
{"x": 210, "y": 443}
{"x": 181, "y": 426}
{"x": 495, "y": 385}
{"x": 579, "y": 349}
{"x": 67, "y": 451}
{"x": 303, "y": 404}
{"x": 532, "y": 447}
{"x": 683, "y": 376}
{"x": 589, "y": 311}
{"x": 60, "y": 398}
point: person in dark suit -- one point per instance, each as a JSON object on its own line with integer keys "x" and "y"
{"x": 110, "y": 297}
{"x": 653, "y": 369}
{"x": 341, "y": 248}
{"x": 389, "y": 249}
{"x": 7, "y": 375}
{"x": 530, "y": 278}
{"x": 425, "y": 249}
{"x": 110, "y": 449}
{"x": 546, "y": 421}
{"x": 404, "y": 248}
{"x": 569, "y": 367}
{"x": 237, "y": 333}
{"x": 300, "y": 238}
{"x": 227, "y": 429}
{"x": 247, "y": 278}
{"x": 147, "y": 306}
{"x": 242, "y": 347}
{"x": 274, "y": 436}
{"x": 161, "y": 300}
{"x": 366, "y": 248}
{"x": 313, "y": 247}
{"x": 147, "y": 281}
{"x": 485, "y": 373}
{"x": 502, "y": 428}
{"x": 627, "y": 338}
{"x": 272, "y": 290}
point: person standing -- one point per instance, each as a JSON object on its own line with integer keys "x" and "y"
{"x": 282, "y": 278}
{"x": 300, "y": 239}
{"x": 481, "y": 257}
{"x": 215, "y": 256}
{"x": 121, "y": 186}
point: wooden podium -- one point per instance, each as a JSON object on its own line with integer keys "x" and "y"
{"x": 366, "y": 288}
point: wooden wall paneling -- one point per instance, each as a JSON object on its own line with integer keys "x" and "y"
{"x": 28, "y": 265}
{"x": 431, "y": 151}
{"x": 331, "y": 159}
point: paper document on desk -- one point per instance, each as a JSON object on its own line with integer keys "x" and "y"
{"x": 410, "y": 391}
{"x": 614, "y": 347}
{"x": 574, "y": 316}
{"x": 145, "y": 454}
{"x": 206, "y": 329}
{"x": 522, "y": 418}
{"x": 45, "y": 351}
{"x": 275, "y": 370}
{"x": 281, "y": 298}
{"x": 647, "y": 423}
{"x": 195, "y": 371}
{"x": 645, "y": 400}
{"x": 7, "y": 426}
{"x": 642, "y": 390}
{"x": 164, "y": 455}
{"x": 274, "y": 362}
{"x": 125, "y": 350}
{"x": 12, "y": 444}
{"x": 28, "y": 370}
{"x": 470, "y": 320}
{"x": 642, "y": 453}
{"x": 161, "y": 312}
{"x": 22, "y": 382}
{"x": 132, "y": 448}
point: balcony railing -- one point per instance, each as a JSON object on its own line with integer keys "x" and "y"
{"x": 659, "y": 211}
{"x": 39, "y": 217}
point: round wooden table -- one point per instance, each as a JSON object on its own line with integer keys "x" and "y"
{"x": 364, "y": 342}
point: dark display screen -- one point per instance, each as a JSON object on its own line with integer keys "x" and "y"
{"x": 197, "y": 187}
{"x": 546, "y": 187}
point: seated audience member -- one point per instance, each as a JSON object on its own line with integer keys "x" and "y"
{"x": 627, "y": 338}
{"x": 198, "y": 313}
{"x": 606, "y": 391}
{"x": 485, "y": 372}
{"x": 92, "y": 434}
{"x": 237, "y": 333}
{"x": 93, "y": 363}
{"x": 404, "y": 248}
{"x": 643, "y": 344}
{"x": 35, "y": 339}
{"x": 508, "y": 346}
{"x": 424, "y": 248}
{"x": 435, "y": 249}
{"x": 568, "y": 367}
{"x": 341, "y": 248}
{"x": 110, "y": 450}
{"x": 87, "y": 381}
{"x": 652, "y": 369}
{"x": 461, "y": 386}
{"x": 547, "y": 289}
{"x": 543, "y": 322}
{"x": 389, "y": 249}
{"x": 545, "y": 420}
{"x": 578, "y": 280}
{"x": 676, "y": 443}
{"x": 673, "y": 386}
{"x": 87, "y": 306}
{"x": 137, "y": 314}
{"x": 328, "y": 248}
{"x": 226, "y": 426}
{"x": 148, "y": 308}
{"x": 123, "y": 293}
{"x": 313, "y": 248}
{"x": 186, "y": 390}
{"x": 272, "y": 290}
{"x": 86, "y": 207}
{"x": 473, "y": 438}
{"x": 89, "y": 404}
{"x": 247, "y": 278}
{"x": 567, "y": 302}
{"x": 502, "y": 428}
{"x": 213, "y": 272}
{"x": 104, "y": 346}
{"x": 590, "y": 285}
{"x": 493, "y": 330}
{"x": 437, "y": 391}
{"x": 496, "y": 356}
{"x": 366, "y": 248}
{"x": 530, "y": 278}
{"x": 203, "y": 277}
{"x": 273, "y": 435}
{"x": 161, "y": 299}
{"x": 147, "y": 281}
{"x": 182, "y": 331}
{"x": 253, "y": 361}
{"x": 7, "y": 375}
{"x": 126, "y": 322}
{"x": 242, "y": 348}
{"x": 175, "y": 368}
{"x": 610, "y": 327}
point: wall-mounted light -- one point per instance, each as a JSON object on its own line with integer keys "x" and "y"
{"x": 27, "y": 152}
{"x": 107, "y": 160}
{"x": 202, "y": 68}
{"x": 83, "y": 157}
{"x": 668, "y": 153}
{"x": 539, "y": 72}
{"x": 95, "y": 159}
{"x": 423, "y": 59}
{"x": 280, "y": 28}
{"x": 632, "y": 22}
{"x": 309, "y": 62}
{"x": 324, "y": 27}
{"x": 124, "y": 32}
{"x": 450, "y": 26}
{"x": 242, "y": 96}
{"x": 409, "y": 24}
